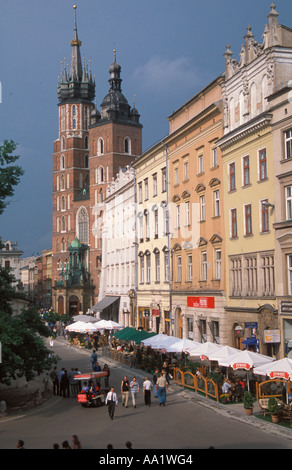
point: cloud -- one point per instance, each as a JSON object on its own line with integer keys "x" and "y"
{"x": 161, "y": 75}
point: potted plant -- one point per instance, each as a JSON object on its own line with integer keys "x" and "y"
{"x": 248, "y": 402}
{"x": 274, "y": 409}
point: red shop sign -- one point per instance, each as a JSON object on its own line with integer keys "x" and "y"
{"x": 201, "y": 302}
{"x": 241, "y": 365}
{"x": 283, "y": 375}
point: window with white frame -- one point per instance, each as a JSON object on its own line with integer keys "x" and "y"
{"x": 218, "y": 264}
{"x": 146, "y": 189}
{"x": 177, "y": 215}
{"x": 232, "y": 180}
{"x": 178, "y": 277}
{"x": 176, "y": 180}
{"x": 166, "y": 267}
{"x": 200, "y": 164}
{"x": 186, "y": 171}
{"x": 140, "y": 193}
{"x": 142, "y": 270}
{"x": 204, "y": 265}
{"x": 288, "y": 197}
{"x": 217, "y": 203}
{"x": 289, "y": 259}
{"x": 245, "y": 171}
{"x": 164, "y": 179}
{"x": 147, "y": 225}
{"x": 157, "y": 267}
{"x": 148, "y": 269}
{"x": 288, "y": 144}
{"x": 190, "y": 267}
{"x": 263, "y": 169}
{"x": 265, "y": 218}
{"x": 202, "y": 209}
{"x": 83, "y": 225}
{"x": 100, "y": 146}
{"x": 62, "y": 162}
{"x": 156, "y": 223}
{"x": 248, "y": 219}
{"x": 155, "y": 184}
{"x": 187, "y": 207}
{"x": 233, "y": 223}
{"x": 127, "y": 145}
{"x": 214, "y": 157}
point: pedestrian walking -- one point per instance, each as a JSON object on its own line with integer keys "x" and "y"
{"x": 72, "y": 382}
{"x": 106, "y": 379}
{"x": 60, "y": 375}
{"x": 134, "y": 386}
{"x": 93, "y": 359}
{"x": 125, "y": 388}
{"x": 154, "y": 378}
{"x": 55, "y": 380}
{"x": 51, "y": 341}
{"x": 64, "y": 385}
{"x": 111, "y": 401}
{"x": 77, "y": 382}
{"x": 162, "y": 385}
{"x": 147, "y": 387}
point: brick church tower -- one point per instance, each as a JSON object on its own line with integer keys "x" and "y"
{"x": 90, "y": 149}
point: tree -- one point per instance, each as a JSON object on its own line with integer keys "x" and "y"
{"x": 9, "y": 174}
{"x": 24, "y": 352}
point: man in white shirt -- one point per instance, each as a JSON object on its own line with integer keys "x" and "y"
{"x": 111, "y": 400}
{"x": 147, "y": 387}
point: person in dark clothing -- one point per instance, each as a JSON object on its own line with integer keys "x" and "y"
{"x": 65, "y": 385}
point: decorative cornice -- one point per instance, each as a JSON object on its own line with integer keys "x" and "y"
{"x": 244, "y": 131}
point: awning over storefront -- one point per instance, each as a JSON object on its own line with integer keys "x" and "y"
{"x": 104, "y": 303}
{"x": 250, "y": 341}
{"x": 131, "y": 334}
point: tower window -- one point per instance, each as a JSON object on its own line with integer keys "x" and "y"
{"x": 82, "y": 223}
{"x": 127, "y": 145}
{"x": 100, "y": 147}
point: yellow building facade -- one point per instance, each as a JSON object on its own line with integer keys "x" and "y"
{"x": 196, "y": 217}
{"x": 152, "y": 234}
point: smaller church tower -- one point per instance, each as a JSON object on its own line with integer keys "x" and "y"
{"x": 115, "y": 137}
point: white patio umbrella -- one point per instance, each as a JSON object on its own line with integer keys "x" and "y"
{"x": 164, "y": 343}
{"x": 181, "y": 345}
{"x": 156, "y": 339}
{"x": 246, "y": 360}
{"x": 223, "y": 355}
{"x": 76, "y": 327}
{"x": 281, "y": 369}
{"x": 204, "y": 350}
{"x": 108, "y": 325}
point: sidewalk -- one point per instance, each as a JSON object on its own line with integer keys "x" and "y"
{"x": 230, "y": 410}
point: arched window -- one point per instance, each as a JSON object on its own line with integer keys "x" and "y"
{"x": 62, "y": 182}
{"x": 63, "y": 244}
{"x": 63, "y": 203}
{"x": 63, "y": 224}
{"x": 100, "y": 146}
{"x": 82, "y": 225}
{"x": 127, "y": 145}
{"x": 62, "y": 162}
{"x": 86, "y": 142}
{"x": 101, "y": 174}
{"x": 86, "y": 161}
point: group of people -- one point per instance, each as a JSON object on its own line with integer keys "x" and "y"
{"x": 64, "y": 382}
{"x": 234, "y": 391}
{"x": 131, "y": 387}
